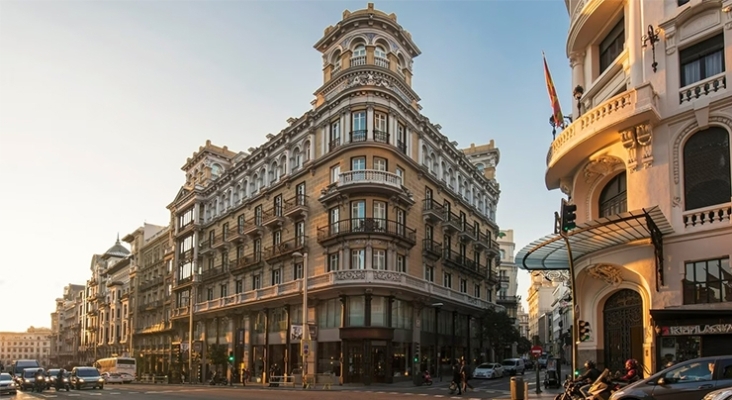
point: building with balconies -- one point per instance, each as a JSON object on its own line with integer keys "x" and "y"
{"x": 508, "y": 274}
{"x": 34, "y": 344}
{"x": 151, "y": 275}
{"x": 391, "y": 223}
{"x": 523, "y": 322}
{"x": 105, "y": 303}
{"x": 66, "y": 326}
{"x": 540, "y": 299}
{"x": 646, "y": 161}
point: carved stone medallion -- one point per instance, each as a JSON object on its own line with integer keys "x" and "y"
{"x": 600, "y": 166}
{"x": 608, "y": 273}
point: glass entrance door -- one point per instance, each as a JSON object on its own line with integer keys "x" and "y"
{"x": 355, "y": 367}
{"x": 379, "y": 359}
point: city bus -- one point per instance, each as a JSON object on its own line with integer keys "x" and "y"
{"x": 117, "y": 365}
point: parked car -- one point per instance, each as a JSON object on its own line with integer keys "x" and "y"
{"x": 488, "y": 371}
{"x": 528, "y": 363}
{"x": 126, "y": 378}
{"x": 7, "y": 384}
{"x": 692, "y": 379}
{"x": 86, "y": 377}
{"x": 513, "y": 366}
{"x": 110, "y": 378}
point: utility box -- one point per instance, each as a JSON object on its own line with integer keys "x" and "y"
{"x": 517, "y": 387}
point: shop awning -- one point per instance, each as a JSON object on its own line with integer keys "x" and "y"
{"x": 550, "y": 252}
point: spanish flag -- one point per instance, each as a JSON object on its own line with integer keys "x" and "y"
{"x": 553, "y": 99}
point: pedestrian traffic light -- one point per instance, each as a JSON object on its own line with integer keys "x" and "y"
{"x": 231, "y": 357}
{"x": 584, "y": 331}
{"x": 568, "y": 215}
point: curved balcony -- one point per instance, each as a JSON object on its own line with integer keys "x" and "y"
{"x": 597, "y": 128}
{"x": 585, "y": 18}
{"x": 338, "y": 280}
{"x": 365, "y": 181}
{"x": 359, "y": 228}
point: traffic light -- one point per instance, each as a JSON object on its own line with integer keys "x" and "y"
{"x": 584, "y": 331}
{"x": 416, "y": 352}
{"x": 568, "y": 215}
{"x": 231, "y": 357}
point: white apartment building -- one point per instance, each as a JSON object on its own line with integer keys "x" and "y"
{"x": 508, "y": 273}
{"x": 540, "y": 296}
{"x": 66, "y": 326}
{"x": 646, "y": 161}
{"x": 523, "y": 321}
{"x": 562, "y": 322}
{"x": 34, "y": 344}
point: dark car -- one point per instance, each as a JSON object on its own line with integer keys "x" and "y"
{"x": 86, "y": 377}
{"x": 28, "y": 378}
{"x": 686, "y": 380}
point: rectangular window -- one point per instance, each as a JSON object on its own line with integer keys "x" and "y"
{"x": 240, "y": 223}
{"x": 256, "y": 281}
{"x": 209, "y": 294}
{"x": 335, "y": 173}
{"x": 297, "y": 271}
{"x": 333, "y": 262}
{"x": 463, "y": 286}
{"x": 476, "y": 290}
{"x": 378, "y": 259}
{"x": 429, "y": 273}
{"x": 335, "y": 135}
{"x": 401, "y": 263}
{"x": 381, "y": 127}
{"x": 358, "y": 163}
{"x": 702, "y": 60}
{"x": 300, "y": 233}
{"x": 334, "y": 216}
{"x": 612, "y": 45}
{"x": 225, "y": 231}
{"x": 276, "y": 277}
{"x": 402, "y": 138}
{"x": 708, "y": 281}
{"x": 358, "y": 127}
{"x": 258, "y": 215}
{"x": 358, "y": 259}
{"x": 380, "y": 164}
{"x": 446, "y": 280}
{"x": 379, "y": 213}
{"x": 277, "y": 205}
{"x": 223, "y": 291}
{"x": 257, "y": 249}
{"x": 239, "y": 286}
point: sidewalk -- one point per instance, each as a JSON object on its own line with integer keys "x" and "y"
{"x": 545, "y": 394}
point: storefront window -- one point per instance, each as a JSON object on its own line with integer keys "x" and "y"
{"x": 400, "y": 364}
{"x": 401, "y": 316}
{"x": 356, "y": 308}
{"x": 296, "y": 314}
{"x": 378, "y": 311}
{"x": 329, "y": 355}
{"x": 329, "y": 314}
{"x": 675, "y": 349}
{"x": 428, "y": 320}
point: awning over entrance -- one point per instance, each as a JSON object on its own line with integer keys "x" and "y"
{"x": 550, "y": 252}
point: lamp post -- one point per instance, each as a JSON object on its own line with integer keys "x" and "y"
{"x": 305, "y": 328}
{"x": 437, "y": 306}
{"x": 577, "y": 93}
{"x": 191, "y": 303}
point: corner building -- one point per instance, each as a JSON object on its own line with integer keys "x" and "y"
{"x": 646, "y": 160}
{"x": 392, "y": 224}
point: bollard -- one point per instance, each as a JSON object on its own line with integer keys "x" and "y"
{"x": 518, "y": 388}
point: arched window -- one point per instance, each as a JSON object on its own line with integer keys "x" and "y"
{"x": 707, "y": 169}
{"x": 380, "y": 57}
{"x": 336, "y": 61}
{"x": 613, "y": 198}
{"x": 359, "y": 55}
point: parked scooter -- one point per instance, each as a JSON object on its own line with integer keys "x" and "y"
{"x": 217, "y": 379}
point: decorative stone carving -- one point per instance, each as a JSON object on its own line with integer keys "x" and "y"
{"x": 350, "y": 275}
{"x": 576, "y": 58}
{"x": 644, "y": 137}
{"x": 627, "y": 137}
{"x": 604, "y": 272}
{"x": 557, "y": 276}
{"x": 670, "y": 36}
{"x": 600, "y": 166}
{"x": 368, "y": 79}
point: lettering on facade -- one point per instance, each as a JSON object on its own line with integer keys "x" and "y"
{"x": 716, "y": 329}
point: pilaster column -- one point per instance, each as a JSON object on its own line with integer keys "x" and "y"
{"x": 635, "y": 50}
{"x": 393, "y": 118}
{"x": 577, "y": 62}
{"x": 346, "y": 128}
{"x": 287, "y": 164}
{"x": 370, "y": 123}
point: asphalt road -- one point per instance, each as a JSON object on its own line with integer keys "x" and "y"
{"x": 484, "y": 389}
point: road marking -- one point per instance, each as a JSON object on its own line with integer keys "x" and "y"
{"x": 73, "y": 395}
{"x": 114, "y": 393}
{"x": 49, "y": 395}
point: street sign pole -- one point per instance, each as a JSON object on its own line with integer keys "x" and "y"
{"x": 573, "y": 290}
{"x": 536, "y": 351}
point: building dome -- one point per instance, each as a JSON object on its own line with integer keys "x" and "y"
{"x": 117, "y": 250}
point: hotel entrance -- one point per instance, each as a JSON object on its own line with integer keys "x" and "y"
{"x": 367, "y": 361}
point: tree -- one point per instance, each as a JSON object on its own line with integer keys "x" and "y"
{"x": 498, "y": 330}
{"x": 523, "y": 346}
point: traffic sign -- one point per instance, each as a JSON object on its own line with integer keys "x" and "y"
{"x": 305, "y": 347}
{"x": 536, "y": 351}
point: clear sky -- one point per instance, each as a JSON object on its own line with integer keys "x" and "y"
{"x": 101, "y": 102}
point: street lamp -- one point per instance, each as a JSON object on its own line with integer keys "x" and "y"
{"x": 437, "y": 307}
{"x": 305, "y": 328}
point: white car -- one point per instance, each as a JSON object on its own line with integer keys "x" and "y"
{"x": 112, "y": 378}
{"x": 488, "y": 371}
{"x": 7, "y": 384}
{"x": 126, "y": 378}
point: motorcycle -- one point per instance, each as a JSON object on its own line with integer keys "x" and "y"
{"x": 571, "y": 390}
{"x": 600, "y": 389}
{"x": 63, "y": 384}
{"x": 39, "y": 385}
{"x": 426, "y": 378}
{"x": 217, "y": 379}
